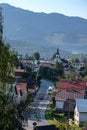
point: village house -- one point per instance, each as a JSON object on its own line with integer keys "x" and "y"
{"x": 69, "y": 90}
{"x": 18, "y": 72}
{"x": 20, "y": 91}
{"x": 48, "y": 65}
{"x": 26, "y": 63}
{"x": 78, "y": 65}
{"x": 68, "y": 108}
{"x": 80, "y": 112}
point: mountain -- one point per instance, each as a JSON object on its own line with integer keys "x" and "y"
{"x": 44, "y": 30}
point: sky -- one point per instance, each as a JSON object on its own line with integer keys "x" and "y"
{"x": 66, "y": 7}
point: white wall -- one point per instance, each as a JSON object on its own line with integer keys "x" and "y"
{"x": 76, "y": 116}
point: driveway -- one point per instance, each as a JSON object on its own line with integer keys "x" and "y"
{"x": 41, "y": 102}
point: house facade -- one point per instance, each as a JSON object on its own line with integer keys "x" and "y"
{"x": 80, "y": 112}
{"x": 20, "y": 92}
{"x": 19, "y": 72}
{"x": 68, "y": 108}
{"x": 69, "y": 90}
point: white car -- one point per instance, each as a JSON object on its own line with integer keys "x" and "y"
{"x": 50, "y": 89}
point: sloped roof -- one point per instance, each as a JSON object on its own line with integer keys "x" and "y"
{"x": 62, "y": 95}
{"x": 21, "y": 86}
{"x": 19, "y": 70}
{"x": 48, "y": 65}
{"x": 81, "y": 105}
{"x": 70, "y": 90}
{"x": 47, "y": 127}
{"x": 75, "y": 84}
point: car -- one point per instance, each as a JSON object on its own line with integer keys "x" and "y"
{"x": 50, "y": 88}
{"x": 41, "y": 97}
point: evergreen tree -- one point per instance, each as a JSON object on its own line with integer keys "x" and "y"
{"x": 36, "y": 55}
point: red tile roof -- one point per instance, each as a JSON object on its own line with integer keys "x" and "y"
{"x": 65, "y": 94}
{"x": 22, "y": 87}
{"x": 48, "y": 65}
{"x": 76, "y": 84}
{"x": 70, "y": 90}
{"x": 19, "y": 70}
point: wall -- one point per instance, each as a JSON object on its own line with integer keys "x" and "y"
{"x": 59, "y": 104}
{"x": 76, "y": 116}
{"x": 83, "y": 116}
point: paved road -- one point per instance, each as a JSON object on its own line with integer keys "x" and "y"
{"x": 41, "y": 102}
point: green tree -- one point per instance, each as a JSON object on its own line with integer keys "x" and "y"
{"x": 75, "y": 59}
{"x": 49, "y": 73}
{"x": 59, "y": 69}
{"x": 85, "y": 124}
{"x": 8, "y": 113}
{"x": 83, "y": 71}
{"x": 26, "y": 56}
{"x": 53, "y": 56}
{"x": 37, "y": 55}
{"x": 71, "y": 74}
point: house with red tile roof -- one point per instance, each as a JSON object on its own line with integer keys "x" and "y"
{"x": 27, "y": 63}
{"x": 20, "y": 91}
{"x": 69, "y": 90}
{"x": 48, "y": 65}
{"x": 18, "y": 72}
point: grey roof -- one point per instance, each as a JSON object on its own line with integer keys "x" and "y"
{"x": 47, "y": 127}
{"x": 81, "y": 105}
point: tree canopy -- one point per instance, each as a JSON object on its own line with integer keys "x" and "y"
{"x": 36, "y": 55}
{"x": 8, "y": 111}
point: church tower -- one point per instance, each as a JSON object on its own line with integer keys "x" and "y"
{"x": 58, "y": 59}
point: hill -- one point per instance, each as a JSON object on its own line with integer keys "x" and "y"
{"x": 41, "y": 29}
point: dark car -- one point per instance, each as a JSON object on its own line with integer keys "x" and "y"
{"x": 41, "y": 97}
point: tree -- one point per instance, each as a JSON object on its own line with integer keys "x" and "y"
{"x": 85, "y": 124}
{"x": 1, "y": 29}
{"x": 53, "y": 56}
{"x": 75, "y": 59}
{"x": 8, "y": 113}
{"x": 71, "y": 73}
{"x": 83, "y": 71}
{"x": 36, "y": 55}
{"x": 49, "y": 73}
{"x": 59, "y": 69}
{"x": 26, "y": 56}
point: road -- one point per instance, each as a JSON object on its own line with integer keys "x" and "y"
{"x": 41, "y": 102}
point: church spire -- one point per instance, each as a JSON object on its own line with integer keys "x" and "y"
{"x": 58, "y": 59}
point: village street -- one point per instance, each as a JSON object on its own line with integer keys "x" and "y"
{"x": 41, "y": 102}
